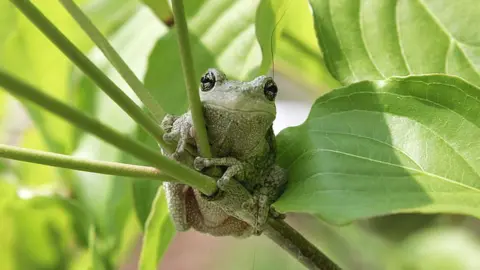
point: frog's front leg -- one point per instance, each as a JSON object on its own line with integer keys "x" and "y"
{"x": 179, "y": 130}
{"x": 258, "y": 205}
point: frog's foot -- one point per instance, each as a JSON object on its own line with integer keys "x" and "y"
{"x": 276, "y": 215}
{"x": 259, "y": 207}
{"x": 181, "y": 134}
{"x": 167, "y": 122}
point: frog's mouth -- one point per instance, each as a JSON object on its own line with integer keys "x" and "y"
{"x": 238, "y": 109}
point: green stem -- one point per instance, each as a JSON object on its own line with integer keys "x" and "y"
{"x": 196, "y": 108}
{"x": 77, "y": 57}
{"x": 117, "y": 62}
{"x": 174, "y": 169}
{"x": 297, "y": 245}
{"x": 68, "y": 162}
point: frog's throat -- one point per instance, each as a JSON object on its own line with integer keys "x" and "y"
{"x": 240, "y": 110}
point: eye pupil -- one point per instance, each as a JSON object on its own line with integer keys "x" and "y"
{"x": 270, "y": 90}
{"x": 207, "y": 81}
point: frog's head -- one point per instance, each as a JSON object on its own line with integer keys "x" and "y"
{"x": 256, "y": 96}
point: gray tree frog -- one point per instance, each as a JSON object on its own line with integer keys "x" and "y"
{"x": 239, "y": 117}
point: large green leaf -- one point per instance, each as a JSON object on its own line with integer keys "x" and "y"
{"x": 269, "y": 24}
{"x": 298, "y": 53}
{"x": 389, "y": 146}
{"x": 369, "y": 40}
{"x": 222, "y": 35}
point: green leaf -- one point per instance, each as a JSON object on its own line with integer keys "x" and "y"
{"x": 159, "y": 230}
{"x": 389, "y": 146}
{"x": 269, "y": 24}
{"x": 161, "y": 8}
{"x": 298, "y": 53}
{"x": 222, "y": 35}
{"x": 36, "y": 227}
{"x": 370, "y": 40}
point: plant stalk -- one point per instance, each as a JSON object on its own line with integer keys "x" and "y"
{"x": 92, "y": 71}
{"x": 186, "y": 58}
{"x": 80, "y": 164}
{"x": 300, "y": 248}
{"x": 170, "y": 167}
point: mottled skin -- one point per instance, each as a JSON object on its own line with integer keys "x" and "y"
{"x": 239, "y": 117}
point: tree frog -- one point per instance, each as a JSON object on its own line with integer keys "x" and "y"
{"x": 239, "y": 117}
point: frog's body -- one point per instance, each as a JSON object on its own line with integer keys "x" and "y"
{"x": 239, "y": 117}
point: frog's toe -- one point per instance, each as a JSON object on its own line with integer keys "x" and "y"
{"x": 167, "y": 122}
{"x": 199, "y": 163}
{"x": 277, "y": 215}
{"x": 257, "y": 231}
{"x": 175, "y": 156}
{"x": 222, "y": 183}
{"x": 170, "y": 137}
{"x": 249, "y": 205}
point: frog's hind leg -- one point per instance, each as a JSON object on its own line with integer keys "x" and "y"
{"x": 230, "y": 227}
{"x": 265, "y": 195}
{"x": 235, "y": 168}
{"x": 177, "y": 204}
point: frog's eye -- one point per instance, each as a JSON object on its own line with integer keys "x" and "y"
{"x": 207, "y": 81}
{"x": 270, "y": 90}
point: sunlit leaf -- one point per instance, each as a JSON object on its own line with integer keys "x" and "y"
{"x": 298, "y": 55}
{"x": 269, "y": 23}
{"x": 162, "y": 10}
{"x": 368, "y": 40}
{"x": 390, "y": 146}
